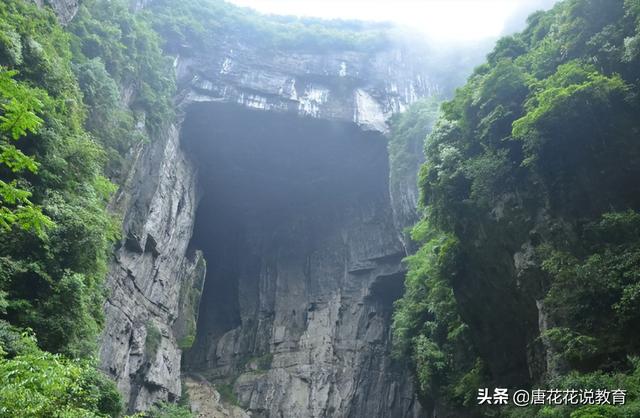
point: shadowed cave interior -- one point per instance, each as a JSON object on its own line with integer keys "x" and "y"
{"x": 272, "y": 187}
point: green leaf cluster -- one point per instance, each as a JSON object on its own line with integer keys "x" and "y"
{"x": 427, "y": 327}
{"x": 36, "y": 383}
{"x": 594, "y": 293}
{"x": 19, "y": 107}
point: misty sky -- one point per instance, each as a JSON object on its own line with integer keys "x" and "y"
{"x": 446, "y": 20}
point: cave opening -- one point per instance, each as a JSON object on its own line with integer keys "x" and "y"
{"x": 285, "y": 218}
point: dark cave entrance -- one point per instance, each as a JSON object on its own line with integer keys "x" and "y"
{"x": 271, "y": 185}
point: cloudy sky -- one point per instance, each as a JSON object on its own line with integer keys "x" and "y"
{"x": 446, "y": 20}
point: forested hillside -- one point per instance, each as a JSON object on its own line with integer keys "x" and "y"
{"x": 64, "y": 132}
{"x": 528, "y": 274}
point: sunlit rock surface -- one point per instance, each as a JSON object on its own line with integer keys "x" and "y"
{"x": 365, "y": 88}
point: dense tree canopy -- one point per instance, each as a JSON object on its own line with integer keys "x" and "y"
{"x": 63, "y": 129}
{"x": 530, "y": 193}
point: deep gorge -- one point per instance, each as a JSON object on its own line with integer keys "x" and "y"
{"x": 206, "y": 211}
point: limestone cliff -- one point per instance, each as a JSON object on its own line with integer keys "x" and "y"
{"x": 150, "y": 272}
{"x": 361, "y": 87}
{"x": 303, "y": 269}
{"x": 275, "y": 172}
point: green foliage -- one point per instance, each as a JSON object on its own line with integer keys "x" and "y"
{"x": 187, "y": 341}
{"x": 594, "y": 292}
{"x": 427, "y": 327}
{"x": 152, "y": 341}
{"x": 169, "y": 410}
{"x": 10, "y": 45}
{"x": 33, "y": 43}
{"x": 538, "y": 150}
{"x": 408, "y": 133}
{"x": 34, "y": 383}
{"x": 598, "y": 380}
{"x": 108, "y": 120}
{"x": 108, "y": 34}
{"x": 201, "y": 22}
{"x": 57, "y": 233}
{"x": 227, "y": 394}
{"x": 64, "y": 128}
{"x": 19, "y": 105}
{"x": 577, "y": 127}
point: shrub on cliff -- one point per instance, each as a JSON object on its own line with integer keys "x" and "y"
{"x": 37, "y": 384}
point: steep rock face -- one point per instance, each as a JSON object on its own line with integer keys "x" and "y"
{"x": 305, "y": 332}
{"x": 152, "y": 275}
{"x": 361, "y": 87}
{"x": 365, "y": 88}
{"x": 296, "y": 310}
{"x": 64, "y": 9}
{"x": 313, "y": 306}
{"x": 404, "y": 201}
{"x": 304, "y": 265}
{"x": 206, "y": 401}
